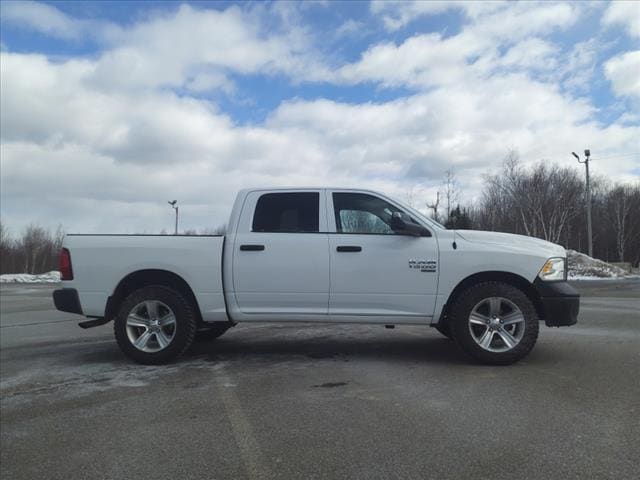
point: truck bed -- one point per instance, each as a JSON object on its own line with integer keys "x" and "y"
{"x": 100, "y": 262}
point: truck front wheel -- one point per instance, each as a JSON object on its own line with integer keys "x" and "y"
{"x": 154, "y": 325}
{"x": 495, "y": 323}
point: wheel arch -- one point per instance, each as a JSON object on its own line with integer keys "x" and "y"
{"x": 510, "y": 278}
{"x": 147, "y": 277}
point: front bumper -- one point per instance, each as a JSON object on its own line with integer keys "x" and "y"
{"x": 67, "y": 300}
{"x": 560, "y": 303}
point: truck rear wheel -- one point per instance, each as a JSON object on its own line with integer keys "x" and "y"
{"x": 154, "y": 325}
{"x": 495, "y": 323}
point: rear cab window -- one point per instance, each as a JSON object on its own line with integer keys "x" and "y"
{"x": 290, "y": 212}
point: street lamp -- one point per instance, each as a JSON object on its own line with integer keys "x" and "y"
{"x": 175, "y": 207}
{"x": 587, "y": 154}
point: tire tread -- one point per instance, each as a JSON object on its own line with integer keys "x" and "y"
{"x": 185, "y": 316}
{"x": 469, "y": 298}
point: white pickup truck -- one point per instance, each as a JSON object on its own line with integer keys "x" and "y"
{"x": 319, "y": 255}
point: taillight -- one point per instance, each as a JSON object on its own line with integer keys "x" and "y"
{"x": 66, "y": 272}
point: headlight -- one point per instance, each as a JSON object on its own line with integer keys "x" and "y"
{"x": 554, "y": 269}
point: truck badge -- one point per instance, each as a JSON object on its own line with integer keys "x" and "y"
{"x": 423, "y": 265}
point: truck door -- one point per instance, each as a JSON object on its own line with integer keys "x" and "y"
{"x": 375, "y": 271}
{"x": 281, "y": 258}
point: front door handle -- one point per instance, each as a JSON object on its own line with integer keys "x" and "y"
{"x": 349, "y": 248}
{"x": 251, "y": 248}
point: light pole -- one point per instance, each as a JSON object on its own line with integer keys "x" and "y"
{"x": 175, "y": 207}
{"x": 587, "y": 154}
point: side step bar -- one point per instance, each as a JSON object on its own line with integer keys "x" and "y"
{"x": 96, "y": 322}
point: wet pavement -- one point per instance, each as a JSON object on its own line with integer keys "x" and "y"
{"x": 320, "y": 401}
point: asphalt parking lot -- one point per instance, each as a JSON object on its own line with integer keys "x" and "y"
{"x": 321, "y": 401}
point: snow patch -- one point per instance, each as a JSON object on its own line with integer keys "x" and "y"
{"x": 583, "y": 267}
{"x": 49, "y": 277}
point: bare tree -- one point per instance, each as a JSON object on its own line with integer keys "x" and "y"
{"x": 544, "y": 201}
{"x": 410, "y": 196}
{"x": 545, "y": 198}
{"x": 35, "y": 251}
{"x": 434, "y": 207}
{"x": 451, "y": 193}
{"x": 621, "y": 202}
{"x": 7, "y": 250}
{"x": 34, "y": 240}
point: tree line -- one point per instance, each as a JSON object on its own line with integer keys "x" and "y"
{"x": 549, "y": 202}
{"x": 36, "y": 250}
{"x": 545, "y": 201}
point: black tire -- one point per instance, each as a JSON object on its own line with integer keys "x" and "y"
{"x": 210, "y": 333}
{"x": 183, "y": 329}
{"x": 445, "y": 329}
{"x": 462, "y": 332}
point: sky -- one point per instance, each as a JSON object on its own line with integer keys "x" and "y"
{"x": 110, "y": 109}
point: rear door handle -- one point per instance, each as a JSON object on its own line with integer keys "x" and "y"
{"x": 251, "y": 248}
{"x": 349, "y": 248}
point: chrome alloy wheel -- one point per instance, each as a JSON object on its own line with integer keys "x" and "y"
{"x": 496, "y": 324}
{"x": 151, "y": 326}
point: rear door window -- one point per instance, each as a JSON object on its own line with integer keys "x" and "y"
{"x": 287, "y": 212}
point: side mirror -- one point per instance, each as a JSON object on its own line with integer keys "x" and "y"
{"x": 407, "y": 228}
{"x": 397, "y": 223}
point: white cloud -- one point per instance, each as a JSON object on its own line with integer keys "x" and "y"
{"x": 577, "y": 67}
{"x": 623, "y": 71}
{"x": 350, "y": 28}
{"x": 188, "y": 47}
{"x": 422, "y": 60}
{"x": 196, "y": 48}
{"x": 109, "y": 162}
{"x": 172, "y": 48}
{"x": 398, "y": 14}
{"x": 532, "y": 53}
{"x": 40, "y": 17}
{"x": 492, "y": 17}
{"x": 522, "y": 19}
{"x": 434, "y": 59}
{"x": 625, "y": 14}
{"x": 111, "y": 143}
{"x": 206, "y": 82}
{"x": 125, "y": 151}
{"x": 48, "y": 20}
